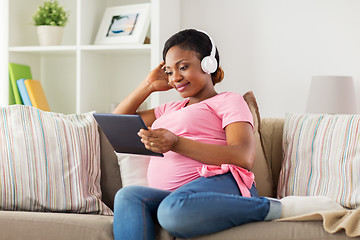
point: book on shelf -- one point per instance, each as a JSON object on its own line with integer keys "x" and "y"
{"x": 16, "y": 72}
{"x": 23, "y": 92}
{"x": 36, "y": 94}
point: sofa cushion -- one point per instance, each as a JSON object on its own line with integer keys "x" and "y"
{"x": 17, "y": 225}
{"x": 49, "y": 161}
{"x": 44, "y": 226}
{"x": 48, "y": 225}
{"x": 272, "y": 230}
{"x": 321, "y": 157}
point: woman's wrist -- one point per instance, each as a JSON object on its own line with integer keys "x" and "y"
{"x": 146, "y": 86}
{"x": 176, "y": 143}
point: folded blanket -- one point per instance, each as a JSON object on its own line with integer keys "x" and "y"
{"x": 334, "y": 221}
{"x": 335, "y": 218}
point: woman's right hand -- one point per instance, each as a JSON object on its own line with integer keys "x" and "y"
{"x": 157, "y": 79}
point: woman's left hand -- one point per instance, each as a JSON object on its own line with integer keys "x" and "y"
{"x": 159, "y": 140}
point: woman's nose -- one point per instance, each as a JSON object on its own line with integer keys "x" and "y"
{"x": 176, "y": 76}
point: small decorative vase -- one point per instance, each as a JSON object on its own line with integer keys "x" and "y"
{"x": 50, "y": 35}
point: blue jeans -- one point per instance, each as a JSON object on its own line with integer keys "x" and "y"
{"x": 203, "y": 206}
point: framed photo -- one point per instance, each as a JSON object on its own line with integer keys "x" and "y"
{"x": 124, "y": 24}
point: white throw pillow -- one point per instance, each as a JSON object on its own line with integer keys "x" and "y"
{"x": 133, "y": 169}
{"x": 321, "y": 157}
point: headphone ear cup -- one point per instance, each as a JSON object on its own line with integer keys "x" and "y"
{"x": 209, "y": 64}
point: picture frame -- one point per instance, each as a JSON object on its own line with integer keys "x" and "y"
{"x": 126, "y": 24}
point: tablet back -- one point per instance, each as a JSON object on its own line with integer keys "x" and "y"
{"x": 121, "y": 131}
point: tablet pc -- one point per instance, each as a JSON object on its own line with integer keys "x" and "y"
{"x": 121, "y": 131}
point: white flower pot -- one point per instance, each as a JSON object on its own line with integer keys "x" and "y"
{"x": 49, "y": 35}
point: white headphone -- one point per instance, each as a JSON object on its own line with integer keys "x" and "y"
{"x": 209, "y": 63}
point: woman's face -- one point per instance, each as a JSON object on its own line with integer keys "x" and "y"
{"x": 183, "y": 68}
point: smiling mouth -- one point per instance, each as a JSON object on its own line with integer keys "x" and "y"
{"x": 182, "y": 86}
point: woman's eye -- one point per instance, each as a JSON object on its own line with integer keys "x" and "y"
{"x": 183, "y": 68}
{"x": 168, "y": 73}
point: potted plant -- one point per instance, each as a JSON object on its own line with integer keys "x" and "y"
{"x": 50, "y": 19}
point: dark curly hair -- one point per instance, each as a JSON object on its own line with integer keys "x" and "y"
{"x": 197, "y": 41}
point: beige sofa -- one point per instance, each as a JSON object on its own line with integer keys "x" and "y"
{"x": 35, "y": 225}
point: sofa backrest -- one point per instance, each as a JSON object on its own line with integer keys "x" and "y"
{"x": 261, "y": 168}
{"x": 110, "y": 173}
{"x": 271, "y": 132}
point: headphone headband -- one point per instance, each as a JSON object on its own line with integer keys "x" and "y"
{"x": 209, "y": 63}
{"x": 213, "y": 48}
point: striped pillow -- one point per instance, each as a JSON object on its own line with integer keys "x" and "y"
{"x": 49, "y": 161}
{"x": 322, "y": 157}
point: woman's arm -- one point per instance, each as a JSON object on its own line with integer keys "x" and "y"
{"x": 155, "y": 81}
{"x": 240, "y": 148}
{"x": 132, "y": 102}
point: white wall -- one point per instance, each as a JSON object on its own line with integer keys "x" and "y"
{"x": 273, "y": 47}
{"x": 4, "y": 92}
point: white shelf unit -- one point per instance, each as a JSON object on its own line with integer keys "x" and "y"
{"x": 79, "y": 76}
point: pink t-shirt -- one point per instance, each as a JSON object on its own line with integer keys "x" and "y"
{"x": 204, "y": 122}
